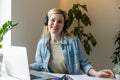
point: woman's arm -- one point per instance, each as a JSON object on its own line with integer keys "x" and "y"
{"x": 38, "y": 64}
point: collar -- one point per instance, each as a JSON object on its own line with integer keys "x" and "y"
{"x": 63, "y": 40}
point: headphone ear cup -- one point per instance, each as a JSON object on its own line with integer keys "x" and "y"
{"x": 46, "y": 21}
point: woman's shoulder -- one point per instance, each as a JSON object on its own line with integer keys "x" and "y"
{"x": 43, "y": 41}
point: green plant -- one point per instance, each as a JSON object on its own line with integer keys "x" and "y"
{"x": 5, "y": 28}
{"x": 78, "y": 12}
{"x": 116, "y": 69}
{"x": 116, "y": 54}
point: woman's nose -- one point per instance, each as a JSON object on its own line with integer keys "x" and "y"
{"x": 55, "y": 23}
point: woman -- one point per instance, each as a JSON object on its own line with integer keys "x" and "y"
{"x": 61, "y": 53}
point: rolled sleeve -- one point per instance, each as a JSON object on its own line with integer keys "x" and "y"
{"x": 87, "y": 68}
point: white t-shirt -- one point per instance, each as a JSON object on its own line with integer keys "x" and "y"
{"x": 57, "y": 62}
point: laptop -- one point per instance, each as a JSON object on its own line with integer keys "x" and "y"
{"x": 16, "y": 62}
{"x": 16, "y": 65}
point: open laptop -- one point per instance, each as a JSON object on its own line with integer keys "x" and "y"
{"x": 16, "y": 65}
{"x": 16, "y": 62}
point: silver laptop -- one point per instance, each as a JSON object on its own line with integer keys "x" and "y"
{"x": 16, "y": 62}
{"x": 16, "y": 65}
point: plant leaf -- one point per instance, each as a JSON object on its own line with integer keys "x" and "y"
{"x": 8, "y": 25}
{"x": 70, "y": 17}
{"x": 84, "y": 7}
{"x": 85, "y": 19}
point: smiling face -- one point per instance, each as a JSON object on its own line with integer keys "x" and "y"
{"x": 56, "y": 24}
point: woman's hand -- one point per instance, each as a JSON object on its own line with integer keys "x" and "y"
{"x": 106, "y": 73}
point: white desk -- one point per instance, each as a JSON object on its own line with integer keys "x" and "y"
{"x": 85, "y": 77}
{"x": 74, "y": 77}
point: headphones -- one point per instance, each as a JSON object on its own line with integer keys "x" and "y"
{"x": 66, "y": 24}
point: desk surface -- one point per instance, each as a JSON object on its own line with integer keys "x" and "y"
{"x": 74, "y": 77}
{"x": 85, "y": 77}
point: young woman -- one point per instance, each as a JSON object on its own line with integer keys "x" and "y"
{"x": 60, "y": 53}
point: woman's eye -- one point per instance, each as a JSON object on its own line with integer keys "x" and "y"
{"x": 53, "y": 20}
{"x": 60, "y": 22}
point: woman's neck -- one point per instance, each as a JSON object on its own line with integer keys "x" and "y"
{"x": 55, "y": 38}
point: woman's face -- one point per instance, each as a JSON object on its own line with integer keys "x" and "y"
{"x": 56, "y": 24}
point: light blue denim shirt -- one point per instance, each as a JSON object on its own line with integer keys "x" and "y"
{"x": 73, "y": 53}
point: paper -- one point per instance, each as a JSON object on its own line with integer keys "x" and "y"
{"x": 85, "y": 77}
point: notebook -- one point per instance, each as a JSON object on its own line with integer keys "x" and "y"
{"x": 16, "y": 65}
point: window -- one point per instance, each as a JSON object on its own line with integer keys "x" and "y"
{"x": 5, "y": 15}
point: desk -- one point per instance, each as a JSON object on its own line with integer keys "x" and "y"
{"x": 85, "y": 77}
{"x": 74, "y": 77}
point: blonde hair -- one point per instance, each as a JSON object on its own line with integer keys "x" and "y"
{"x": 57, "y": 11}
{"x": 46, "y": 32}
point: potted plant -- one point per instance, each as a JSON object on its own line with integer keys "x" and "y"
{"x": 8, "y": 25}
{"x": 79, "y": 13}
{"x": 116, "y": 69}
{"x": 116, "y": 55}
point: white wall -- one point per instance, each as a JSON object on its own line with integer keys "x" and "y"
{"x": 105, "y": 18}
{"x": 29, "y": 14}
